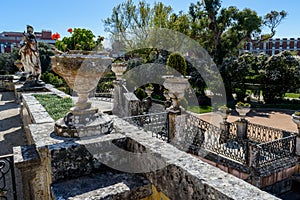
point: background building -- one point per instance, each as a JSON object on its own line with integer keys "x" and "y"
{"x": 273, "y": 46}
{"x": 9, "y": 40}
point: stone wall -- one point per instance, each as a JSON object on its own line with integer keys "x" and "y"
{"x": 184, "y": 176}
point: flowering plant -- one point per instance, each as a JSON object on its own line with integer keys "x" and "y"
{"x": 80, "y": 39}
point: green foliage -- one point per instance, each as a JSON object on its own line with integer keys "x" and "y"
{"x": 292, "y": 95}
{"x": 80, "y": 39}
{"x": 7, "y": 60}
{"x": 177, "y": 62}
{"x": 56, "y": 106}
{"x": 240, "y": 94}
{"x": 297, "y": 113}
{"x": 200, "y": 109}
{"x": 45, "y": 51}
{"x": 280, "y": 75}
{"x": 241, "y": 104}
{"x": 49, "y": 77}
{"x": 140, "y": 93}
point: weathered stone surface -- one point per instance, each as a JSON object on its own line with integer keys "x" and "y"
{"x": 69, "y": 160}
{"x": 186, "y": 177}
{"x": 36, "y": 111}
{"x": 107, "y": 185}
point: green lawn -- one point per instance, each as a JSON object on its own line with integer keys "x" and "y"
{"x": 292, "y": 95}
{"x": 56, "y": 106}
{"x": 199, "y": 109}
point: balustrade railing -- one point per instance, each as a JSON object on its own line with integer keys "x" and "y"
{"x": 273, "y": 151}
{"x": 214, "y": 139}
{"x": 7, "y": 178}
{"x": 155, "y": 123}
{"x": 261, "y": 134}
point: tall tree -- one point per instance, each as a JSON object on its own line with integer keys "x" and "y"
{"x": 222, "y": 31}
{"x": 280, "y": 74}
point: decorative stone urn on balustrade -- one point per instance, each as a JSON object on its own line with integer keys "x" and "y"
{"x": 176, "y": 86}
{"x": 242, "y": 109}
{"x": 119, "y": 68}
{"x": 82, "y": 71}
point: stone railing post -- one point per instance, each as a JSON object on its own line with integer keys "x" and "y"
{"x": 172, "y": 114}
{"x": 242, "y": 125}
{"x": 296, "y": 120}
{"x": 224, "y": 126}
{"x": 252, "y": 160}
{"x": 118, "y": 92}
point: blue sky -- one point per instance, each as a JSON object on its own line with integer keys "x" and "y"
{"x": 58, "y": 16}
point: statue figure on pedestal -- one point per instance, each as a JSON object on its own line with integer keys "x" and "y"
{"x": 30, "y": 57}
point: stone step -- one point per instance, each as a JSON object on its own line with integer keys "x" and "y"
{"x": 108, "y": 185}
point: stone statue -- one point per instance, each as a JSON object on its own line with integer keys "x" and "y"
{"x": 30, "y": 58}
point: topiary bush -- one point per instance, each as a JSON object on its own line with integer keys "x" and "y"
{"x": 177, "y": 62}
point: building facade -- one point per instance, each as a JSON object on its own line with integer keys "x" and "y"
{"x": 10, "y": 40}
{"x": 273, "y": 46}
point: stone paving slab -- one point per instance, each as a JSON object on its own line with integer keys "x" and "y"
{"x": 11, "y": 132}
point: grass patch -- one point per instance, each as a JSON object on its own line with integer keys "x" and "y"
{"x": 199, "y": 109}
{"x": 56, "y": 106}
{"x": 292, "y": 95}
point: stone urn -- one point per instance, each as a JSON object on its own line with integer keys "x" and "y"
{"x": 176, "y": 86}
{"x": 149, "y": 91}
{"x": 224, "y": 111}
{"x": 242, "y": 109}
{"x": 119, "y": 68}
{"x": 82, "y": 71}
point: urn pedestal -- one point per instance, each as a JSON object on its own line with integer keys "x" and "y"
{"x": 82, "y": 73}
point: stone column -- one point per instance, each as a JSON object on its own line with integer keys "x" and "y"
{"x": 118, "y": 92}
{"x": 242, "y": 125}
{"x": 172, "y": 114}
{"x": 252, "y": 160}
{"x": 224, "y": 126}
{"x": 296, "y": 120}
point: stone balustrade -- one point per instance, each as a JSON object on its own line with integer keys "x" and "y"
{"x": 52, "y": 161}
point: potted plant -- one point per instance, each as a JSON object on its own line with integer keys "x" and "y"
{"x": 82, "y": 69}
{"x": 242, "y": 109}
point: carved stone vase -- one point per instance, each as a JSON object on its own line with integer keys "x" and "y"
{"x": 176, "y": 86}
{"x": 119, "y": 68}
{"x": 242, "y": 110}
{"x": 82, "y": 71}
